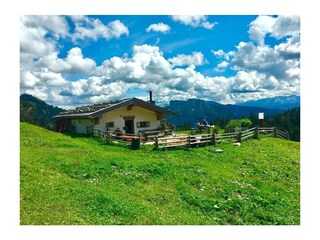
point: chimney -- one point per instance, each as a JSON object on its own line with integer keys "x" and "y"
{"x": 150, "y": 97}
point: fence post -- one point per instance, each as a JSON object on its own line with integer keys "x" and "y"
{"x": 275, "y": 132}
{"x": 213, "y": 138}
{"x": 256, "y": 133}
{"x": 108, "y": 137}
{"x": 239, "y": 137}
{"x": 287, "y": 135}
{"x": 156, "y": 144}
{"x": 146, "y": 136}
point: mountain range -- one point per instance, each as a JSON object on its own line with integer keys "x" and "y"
{"x": 193, "y": 110}
{"x": 281, "y": 102}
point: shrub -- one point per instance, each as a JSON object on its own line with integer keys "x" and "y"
{"x": 234, "y": 124}
{"x": 216, "y": 129}
{"x": 245, "y": 122}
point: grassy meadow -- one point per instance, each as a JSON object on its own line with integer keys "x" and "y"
{"x": 74, "y": 180}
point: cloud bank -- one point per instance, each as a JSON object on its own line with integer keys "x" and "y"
{"x": 259, "y": 69}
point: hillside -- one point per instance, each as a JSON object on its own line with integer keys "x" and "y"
{"x": 193, "y": 110}
{"x": 37, "y": 112}
{"x": 281, "y": 102}
{"x": 67, "y": 179}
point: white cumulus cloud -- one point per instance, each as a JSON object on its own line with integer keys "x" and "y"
{"x": 53, "y": 23}
{"x": 196, "y": 59}
{"x": 277, "y": 27}
{"x": 147, "y": 64}
{"x": 286, "y": 26}
{"x": 27, "y": 79}
{"x": 291, "y": 48}
{"x": 50, "y": 78}
{"x": 194, "y": 21}
{"x": 260, "y": 27}
{"x": 262, "y": 59}
{"x": 223, "y": 55}
{"x": 91, "y": 28}
{"x": 221, "y": 66}
{"x": 159, "y": 27}
{"x": 33, "y": 42}
{"x": 74, "y": 62}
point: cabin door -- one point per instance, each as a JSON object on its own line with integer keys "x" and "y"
{"x": 129, "y": 126}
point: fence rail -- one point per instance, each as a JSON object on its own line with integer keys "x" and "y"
{"x": 266, "y": 130}
{"x": 200, "y": 139}
{"x": 218, "y": 138}
{"x": 225, "y": 137}
{"x": 281, "y": 134}
{"x": 171, "y": 142}
{"x": 116, "y": 136}
{"x": 183, "y": 140}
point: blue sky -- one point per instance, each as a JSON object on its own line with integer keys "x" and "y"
{"x": 74, "y": 60}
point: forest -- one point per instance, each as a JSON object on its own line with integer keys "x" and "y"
{"x": 288, "y": 120}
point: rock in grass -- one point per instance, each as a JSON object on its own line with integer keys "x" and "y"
{"x": 188, "y": 149}
{"x": 217, "y": 150}
{"x": 236, "y": 144}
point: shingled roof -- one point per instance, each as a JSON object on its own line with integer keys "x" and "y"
{"x": 96, "y": 110}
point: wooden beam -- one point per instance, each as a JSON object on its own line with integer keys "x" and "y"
{"x": 159, "y": 115}
{"x": 129, "y": 107}
{"x": 128, "y": 117}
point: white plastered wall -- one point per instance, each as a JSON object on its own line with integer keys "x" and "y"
{"x": 81, "y": 125}
{"x": 140, "y": 114}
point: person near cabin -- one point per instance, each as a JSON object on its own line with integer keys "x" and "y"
{"x": 205, "y": 123}
{"x": 118, "y": 132}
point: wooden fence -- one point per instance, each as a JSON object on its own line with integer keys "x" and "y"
{"x": 150, "y": 135}
{"x": 183, "y": 140}
{"x": 168, "y": 142}
{"x": 266, "y": 130}
{"x": 281, "y": 134}
{"x": 225, "y": 137}
{"x": 275, "y": 132}
{"x": 116, "y": 136}
{"x": 190, "y": 140}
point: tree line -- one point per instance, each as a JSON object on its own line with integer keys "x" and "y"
{"x": 37, "y": 112}
{"x": 288, "y": 120}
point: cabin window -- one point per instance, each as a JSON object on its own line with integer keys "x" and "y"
{"x": 143, "y": 124}
{"x": 109, "y": 124}
{"x": 96, "y": 121}
{"x": 73, "y": 129}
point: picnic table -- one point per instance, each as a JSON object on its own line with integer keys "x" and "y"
{"x": 135, "y": 141}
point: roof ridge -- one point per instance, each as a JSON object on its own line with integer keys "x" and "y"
{"x": 92, "y": 108}
{"x": 93, "y": 111}
{"x": 119, "y": 102}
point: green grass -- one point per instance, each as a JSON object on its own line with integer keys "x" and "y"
{"x": 74, "y": 180}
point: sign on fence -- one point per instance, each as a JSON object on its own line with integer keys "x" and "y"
{"x": 261, "y": 116}
{"x": 261, "y": 119}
